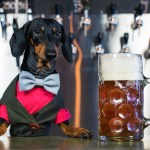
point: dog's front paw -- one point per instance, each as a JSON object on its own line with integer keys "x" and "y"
{"x": 75, "y": 132}
{"x": 2, "y": 131}
{"x": 80, "y": 133}
{"x": 3, "y": 128}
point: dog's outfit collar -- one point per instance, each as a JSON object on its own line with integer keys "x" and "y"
{"x": 27, "y": 81}
{"x": 25, "y": 124}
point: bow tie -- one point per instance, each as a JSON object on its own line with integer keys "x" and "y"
{"x": 27, "y": 81}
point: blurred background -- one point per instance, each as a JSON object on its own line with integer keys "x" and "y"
{"x": 94, "y": 26}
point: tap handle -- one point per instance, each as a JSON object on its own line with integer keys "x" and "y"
{"x": 99, "y": 37}
{"x": 58, "y": 9}
{"x": 98, "y": 44}
{"x": 86, "y": 4}
{"x": 71, "y": 37}
{"x": 125, "y": 38}
{"x": 112, "y": 9}
{"x": 139, "y": 10}
{"x": 124, "y": 43}
{"x": 86, "y": 13}
{"x": 15, "y": 24}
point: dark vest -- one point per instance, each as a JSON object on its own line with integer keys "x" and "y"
{"x": 24, "y": 124}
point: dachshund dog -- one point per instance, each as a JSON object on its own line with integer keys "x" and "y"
{"x": 31, "y": 112}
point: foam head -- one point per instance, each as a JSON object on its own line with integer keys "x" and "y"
{"x": 121, "y": 66}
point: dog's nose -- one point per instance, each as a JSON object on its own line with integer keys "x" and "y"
{"x": 50, "y": 55}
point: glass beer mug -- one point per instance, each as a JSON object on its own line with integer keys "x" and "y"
{"x": 121, "y": 84}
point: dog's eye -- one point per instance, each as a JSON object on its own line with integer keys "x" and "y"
{"x": 37, "y": 31}
{"x": 58, "y": 34}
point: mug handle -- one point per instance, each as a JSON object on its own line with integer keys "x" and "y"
{"x": 146, "y": 120}
{"x": 146, "y": 80}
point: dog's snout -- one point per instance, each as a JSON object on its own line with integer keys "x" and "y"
{"x": 50, "y": 55}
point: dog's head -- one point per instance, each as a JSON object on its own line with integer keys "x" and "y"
{"x": 40, "y": 39}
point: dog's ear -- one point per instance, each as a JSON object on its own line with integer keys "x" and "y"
{"x": 18, "y": 41}
{"x": 66, "y": 47}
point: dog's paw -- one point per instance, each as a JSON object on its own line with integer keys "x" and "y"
{"x": 3, "y": 126}
{"x": 75, "y": 132}
{"x": 81, "y": 133}
{"x": 3, "y": 129}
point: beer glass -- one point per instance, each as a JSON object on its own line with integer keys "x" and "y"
{"x": 121, "y": 84}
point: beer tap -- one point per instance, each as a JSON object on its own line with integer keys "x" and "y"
{"x": 124, "y": 43}
{"x": 4, "y": 23}
{"x": 138, "y": 22}
{"x": 98, "y": 46}
{"x": 58, "y": 9}
{"x": 85, "y": 21}
{"x": 78, "y": 6}
{"x": 15, "y": 28}
{"x": 71, "y": 38}
{"x": 112, "y": 19}
{"x": 71, "y": 35}
{"x": 15, "y": 23}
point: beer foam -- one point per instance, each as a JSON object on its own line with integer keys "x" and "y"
{"x": 121, "y": 66}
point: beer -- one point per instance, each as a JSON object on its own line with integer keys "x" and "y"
{"x": 121, "y": 108}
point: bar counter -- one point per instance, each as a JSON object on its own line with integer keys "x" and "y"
{"x": 66, "y": 143}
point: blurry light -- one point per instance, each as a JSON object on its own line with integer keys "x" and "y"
{"x": 1, "y": 10}
{"x": 29, "y": 11}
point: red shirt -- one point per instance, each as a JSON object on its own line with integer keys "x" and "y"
{"x": 34, "y": 100}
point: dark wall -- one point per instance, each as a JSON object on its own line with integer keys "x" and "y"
{"x": 47, "y": 6}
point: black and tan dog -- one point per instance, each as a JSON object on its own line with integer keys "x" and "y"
{"x": 39, "y": 40}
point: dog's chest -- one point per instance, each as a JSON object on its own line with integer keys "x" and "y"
{"x": 35, "y": 99}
